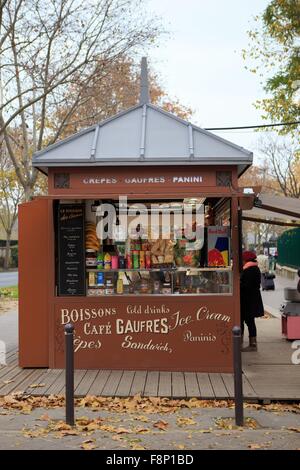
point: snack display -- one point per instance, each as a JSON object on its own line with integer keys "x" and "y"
{"x": 162, "y": 252}
{"x": 180, "y": 264}
{"x": 186, "y": 254}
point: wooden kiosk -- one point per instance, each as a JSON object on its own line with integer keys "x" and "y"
{"x": 144, "y": 303}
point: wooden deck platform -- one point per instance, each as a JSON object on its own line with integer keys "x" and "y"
{"x": 267, "y": 375}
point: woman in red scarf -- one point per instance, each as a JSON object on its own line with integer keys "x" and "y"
{"x": 251, "y": 301}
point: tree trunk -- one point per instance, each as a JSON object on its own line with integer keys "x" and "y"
{"x": 7, "y": 251}
{"x": 28, "y": 193}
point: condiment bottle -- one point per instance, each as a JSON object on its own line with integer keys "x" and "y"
{"x": 120, "y": 287}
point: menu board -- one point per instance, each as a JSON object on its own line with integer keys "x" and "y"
{"x": 70, "y": 237}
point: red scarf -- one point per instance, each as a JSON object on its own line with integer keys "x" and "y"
{"x": 249, "y": 264}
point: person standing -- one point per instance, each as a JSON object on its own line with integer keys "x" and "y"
{"x": 251, "y": 301}
{"x": 264, "y": 266}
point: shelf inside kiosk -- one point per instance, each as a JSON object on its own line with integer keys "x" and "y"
{"x": 157, "y": 247}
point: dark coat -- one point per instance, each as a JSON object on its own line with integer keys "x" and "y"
{"x": 251, "y": 301}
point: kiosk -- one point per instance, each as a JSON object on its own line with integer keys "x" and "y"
{"x": 153, "y": 296}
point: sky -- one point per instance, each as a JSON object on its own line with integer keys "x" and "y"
{"x": 200, "y": 62}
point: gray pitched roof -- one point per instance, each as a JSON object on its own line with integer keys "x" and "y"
{"x": 143, "y": 135}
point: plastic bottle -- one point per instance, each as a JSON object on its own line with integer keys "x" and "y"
{"x": 107, "y": 261}
{"x": 120, "y": 286}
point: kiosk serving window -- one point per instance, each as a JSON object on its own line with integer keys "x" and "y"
{"x": 137, "y": 248}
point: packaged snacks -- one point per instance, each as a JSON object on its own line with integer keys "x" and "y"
{"x": 186, "y": 254}
{"x": 91, "y": 240}
{"x": 91, "y": 258}
{"x": 162, "y": 252}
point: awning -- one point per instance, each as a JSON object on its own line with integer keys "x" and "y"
{"x": 274, "y": 210}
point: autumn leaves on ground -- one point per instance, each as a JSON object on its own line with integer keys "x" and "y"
{"x": 146, "y": 423}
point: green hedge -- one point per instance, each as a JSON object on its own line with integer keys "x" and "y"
{"x": 11, "y": 292}
{"x": 289, "y": 248}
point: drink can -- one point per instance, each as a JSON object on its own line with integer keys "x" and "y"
{"x": 129, "y": 261}
{"x": 142, "y": 259}
{"x": 148, "y": 259}
{"x": 100, "y": 261}
{"x": 135, "y": 259}
{"x": 114, "y": 262}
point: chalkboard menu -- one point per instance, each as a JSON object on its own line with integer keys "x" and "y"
{"x": 70, "y": 238}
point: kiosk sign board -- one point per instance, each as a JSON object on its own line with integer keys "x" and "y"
{"x": 70, "y": 244}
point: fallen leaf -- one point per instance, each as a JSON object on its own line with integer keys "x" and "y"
{"x": 254, "y": 446}
{"x": 123, "y": 431}
{"x": 294, "y": 429}
{"x": 26, "y": 409}
{"x": 137, "y": 447}
{"x": 36, "y": 385}
{"x": 180, "y": 446}
{"x": 105, "y": 427}
{"x": 144, "y": 419}
{"x": 161, "y": 425}
{"x": 35, "y": 432}
{"x": 68, "y": 432}
{"x": 44, "y": 417}
{"x": 185, "y": 421}
{"x": 6, "y": 382}
{"x": 61, "y": 426}
{"x": 89, "y": 444}
{"x": 83, "y": 421}
{"x": 142, "y": 430}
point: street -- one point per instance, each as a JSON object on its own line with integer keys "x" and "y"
{"x": 8, "y": 278}
{"x": 147, "y": 425}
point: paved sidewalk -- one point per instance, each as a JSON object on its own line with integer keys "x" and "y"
{"x": 9, "y": 329}
{"x": 208, "y": 428}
